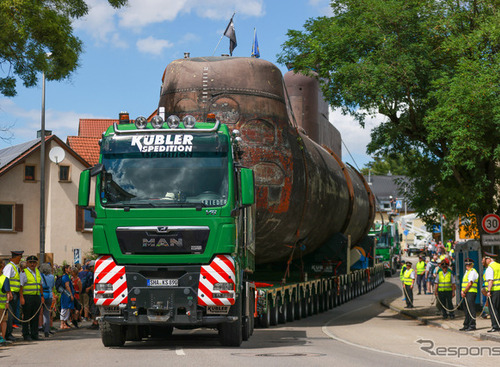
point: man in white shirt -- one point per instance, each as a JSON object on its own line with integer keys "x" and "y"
{"x": 469, "y": 293}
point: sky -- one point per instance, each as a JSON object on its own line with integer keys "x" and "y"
{"x": 127, "y": 50}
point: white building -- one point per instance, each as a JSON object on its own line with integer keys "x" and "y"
{"x": 68, "y": 229}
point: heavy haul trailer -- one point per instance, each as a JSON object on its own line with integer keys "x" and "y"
{"x": 175, "y": 208}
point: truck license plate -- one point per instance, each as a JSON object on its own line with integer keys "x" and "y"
{"x": 163, "y": 282}
{"x": 219, "y": 310}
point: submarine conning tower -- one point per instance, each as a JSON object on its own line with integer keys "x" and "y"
{"x": 304, "y": 193}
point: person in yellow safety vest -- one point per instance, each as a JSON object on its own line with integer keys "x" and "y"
{"x": 11, "y": 271}
{"x": 492, "y": 277}
{"x": 5, "y": 297}
{"x": 31, "y": 297}
{"x": 469, "y": 293}
{"x": 448, "y": 247}
{"x": 409, "y": 281}
{"x": 445, "y": 289}
{"x": 421, "y": 265}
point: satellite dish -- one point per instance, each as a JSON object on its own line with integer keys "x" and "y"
{"x": 56, "y": 155}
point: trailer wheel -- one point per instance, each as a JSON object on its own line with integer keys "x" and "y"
{"x": 265, "y": 319}
{"x": 298, "y": 310}
{"x": 112, "y": 335}
{"x": 274, "y": 314}
{"x": 283, "y": 310}
{"x": 291, "y": 310}
{"x": 248, "y": 325}
{"x": 305, "y": 307}
{"x": 231, "y": 333}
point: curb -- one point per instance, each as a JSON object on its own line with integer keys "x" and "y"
{"x": 423, "y": 320}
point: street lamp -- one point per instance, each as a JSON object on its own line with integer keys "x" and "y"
{"x": 42, "y": 172}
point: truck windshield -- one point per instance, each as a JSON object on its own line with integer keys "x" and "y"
{"x": 140, "y": 173}
{"x": 383, "y": 241}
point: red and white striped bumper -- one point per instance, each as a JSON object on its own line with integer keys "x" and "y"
{"x": 108, "y": 272}
{"x": 221, "y": 271}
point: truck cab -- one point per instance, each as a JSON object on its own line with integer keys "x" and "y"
{"x": 174, "y": 230}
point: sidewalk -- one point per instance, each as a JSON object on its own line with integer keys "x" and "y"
{"x": 17, "y": 332}
{"x": 426, "y": 313}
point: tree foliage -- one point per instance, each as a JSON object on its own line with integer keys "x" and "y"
{"x": 29, "y": 30}
{"x": 432, "y": 69}
{"x": 392, "y": 164}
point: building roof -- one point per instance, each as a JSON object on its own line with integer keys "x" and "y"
{"x": 384, "y": 187}
{"x": 12, "y": 156}
{"x": 86, "y": 144}
{"x": 87, "y": 147}
{"x": 94, "y": 127}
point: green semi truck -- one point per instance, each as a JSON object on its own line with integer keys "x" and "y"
{"x": 387, "y": 246}
{"x": 218, "y": 211}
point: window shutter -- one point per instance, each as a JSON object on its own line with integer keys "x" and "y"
{"x": 79, "y": 219}
{"x": 18, "y": 220}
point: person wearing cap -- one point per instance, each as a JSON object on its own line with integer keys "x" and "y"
{"x": 5, "y": 298}
{"x": 421, "y": 274}
{"x": 31, "y": 297}
{"x": 445, "y": 289}
{"x": 469, "y": 293}
{"x": 409, "y": 281}
{"x": 11, "y": 271}
{"x": 401, "y": 277}
{"x": 492, "y": 277}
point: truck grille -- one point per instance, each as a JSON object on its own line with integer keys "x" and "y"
{"x": 163, "y": 240}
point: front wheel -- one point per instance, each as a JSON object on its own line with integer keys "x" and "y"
{"x": 231, "y": 333}
{"x": 112, "y": 335}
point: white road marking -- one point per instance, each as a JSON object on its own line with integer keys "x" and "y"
{"x": 332, "y": 336}
{"x": 180, "y": 352}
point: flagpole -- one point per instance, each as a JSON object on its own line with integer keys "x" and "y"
{"x": 221, "y": 37}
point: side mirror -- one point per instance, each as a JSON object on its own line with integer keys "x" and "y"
{"x": 247, "y": 187}
{"x": 84, "y": 188}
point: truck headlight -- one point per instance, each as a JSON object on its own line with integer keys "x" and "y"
{"x": 141, "y": 122}
{"x": 173, "y": 122}
{"x": 157, "y": 122}
{"x": 223, "y": 286}
{"x": 104, "y": 287}
{"x": 189, "y": 121}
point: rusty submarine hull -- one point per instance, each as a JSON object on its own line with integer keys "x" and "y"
{"x": 305, "y": 194}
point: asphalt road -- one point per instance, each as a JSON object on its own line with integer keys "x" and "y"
{"x": 359, "y": 333}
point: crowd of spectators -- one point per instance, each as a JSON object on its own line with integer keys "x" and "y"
{"x": 63, "y": 293}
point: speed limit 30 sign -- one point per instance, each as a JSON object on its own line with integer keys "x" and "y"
{"x": 491, "y": 223}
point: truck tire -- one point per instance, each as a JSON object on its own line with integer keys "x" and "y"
{"x": 265, "y": 319}
{"x": 291, "y": 310}
{"x": 298, "y": 309}
{"x": 282, "y": 311}
{"x": 274, "y": 313}
{"x": 112, "y": 335}
{"x": 248, "y": 324}
{"x": 231, "y": 333}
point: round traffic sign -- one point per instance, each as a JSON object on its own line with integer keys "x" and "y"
{"x": 491, "y": 223}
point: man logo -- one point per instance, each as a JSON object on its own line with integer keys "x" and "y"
{"x": 161, "y": 242}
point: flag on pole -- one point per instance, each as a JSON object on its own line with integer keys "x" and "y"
{"x": 231, "y": 34}
{"x": 255, "y": 45}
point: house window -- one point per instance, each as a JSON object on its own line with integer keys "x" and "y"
{"x": 6, "y": 217}
{"x": 64, "y": 173}
{"x": 84, "y": 219}
{"x": 29, "y": 173}
{"x": 11, "y": 217}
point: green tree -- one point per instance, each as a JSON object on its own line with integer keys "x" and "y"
{"x": 31, "y": 29}
{"x": 432, "y": 69}
{"x": 383, "y": 165}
